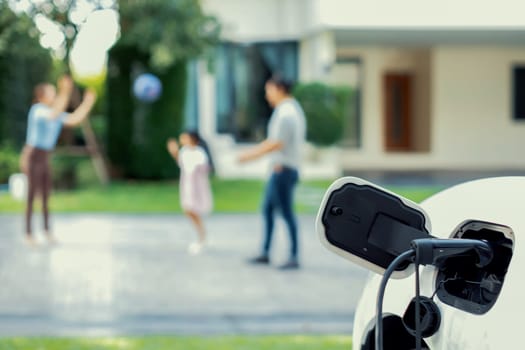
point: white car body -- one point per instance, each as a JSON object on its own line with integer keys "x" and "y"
{"x": 498, "y": 200}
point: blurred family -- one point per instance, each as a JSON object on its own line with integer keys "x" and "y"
{"x": 283, "y": 144}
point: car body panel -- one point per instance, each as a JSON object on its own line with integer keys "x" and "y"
{"x": 500, "y": 200}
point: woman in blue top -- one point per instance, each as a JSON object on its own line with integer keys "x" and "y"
{"x": 46, "y": 118}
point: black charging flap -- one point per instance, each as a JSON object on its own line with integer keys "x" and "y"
{"x": 369, "y": 225}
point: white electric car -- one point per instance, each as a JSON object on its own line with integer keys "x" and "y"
{"x": 464, "y": 304}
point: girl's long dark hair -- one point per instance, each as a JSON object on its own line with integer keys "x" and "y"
{"x": 194, "y": 134}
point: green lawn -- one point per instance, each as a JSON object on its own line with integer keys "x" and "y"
{"x": 230, "y": 196}
{"x": 287, "y": 342}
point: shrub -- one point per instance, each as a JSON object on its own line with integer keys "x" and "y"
{"x": 157, "y": 37}
{"x": 326, "y": 108}
{"x": 9, "y": 162}
{"x": 136, "y": 131}
{"x": 64, "y": 172}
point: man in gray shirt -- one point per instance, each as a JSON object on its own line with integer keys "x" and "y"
{"x": 284, "y": 143}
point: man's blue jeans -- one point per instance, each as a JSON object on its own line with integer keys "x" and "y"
{"x": 279, "y": 196}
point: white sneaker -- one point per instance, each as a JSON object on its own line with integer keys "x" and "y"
{"x": 195, "y": 248}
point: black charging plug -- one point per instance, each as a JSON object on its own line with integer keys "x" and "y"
{"x": 432, "y": 251}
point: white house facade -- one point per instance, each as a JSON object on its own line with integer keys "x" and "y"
{"x": 441, "y": 85}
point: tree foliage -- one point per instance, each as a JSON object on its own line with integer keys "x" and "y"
{"x": 68, "y": 15}
{"x": 160, "y": 37}
{"x": 167, "y": 31}
{"x": 23, "y": 64}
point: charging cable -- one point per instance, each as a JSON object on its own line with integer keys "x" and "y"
{"x": 428, "y": 251}
{"x": 408, "y": 255}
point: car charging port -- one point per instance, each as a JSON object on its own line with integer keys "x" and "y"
{"x": 460, "y": 281}
{"x": 429, "y": 318}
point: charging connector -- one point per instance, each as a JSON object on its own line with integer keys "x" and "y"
{"x": 429, "y": 251}
{"x": 436, "y": 251}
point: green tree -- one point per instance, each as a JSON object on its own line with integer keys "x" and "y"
{"x": 68, "y": 16}
{"x": 23, "y": 63}
{"x": 157, "y": 36}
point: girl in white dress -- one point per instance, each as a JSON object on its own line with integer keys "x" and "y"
{"x": 194, "y": 185}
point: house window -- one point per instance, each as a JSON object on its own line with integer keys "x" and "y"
{"x": 241, "y": 72}
{"x": 518, "y": 92}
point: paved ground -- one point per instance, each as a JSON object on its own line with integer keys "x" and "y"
{"x": 130, "y": 274}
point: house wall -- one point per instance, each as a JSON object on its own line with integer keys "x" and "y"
{"x": 472, "y": 124}
{"x": 461, "y": 94}
{"x": 281, "y": 19}
{"x": 421, "y": 137}
{"x": 317, "y": 54}
{"x": 376, "y": 61}
{"x": 466, "y": 92}
{"x": 416, "y": 13}
{"x": 255, "y": 20}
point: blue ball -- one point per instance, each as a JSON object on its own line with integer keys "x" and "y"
{"x": 147, "y": 87}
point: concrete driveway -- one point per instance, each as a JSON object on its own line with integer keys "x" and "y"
{"x": 131, "y": 274}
